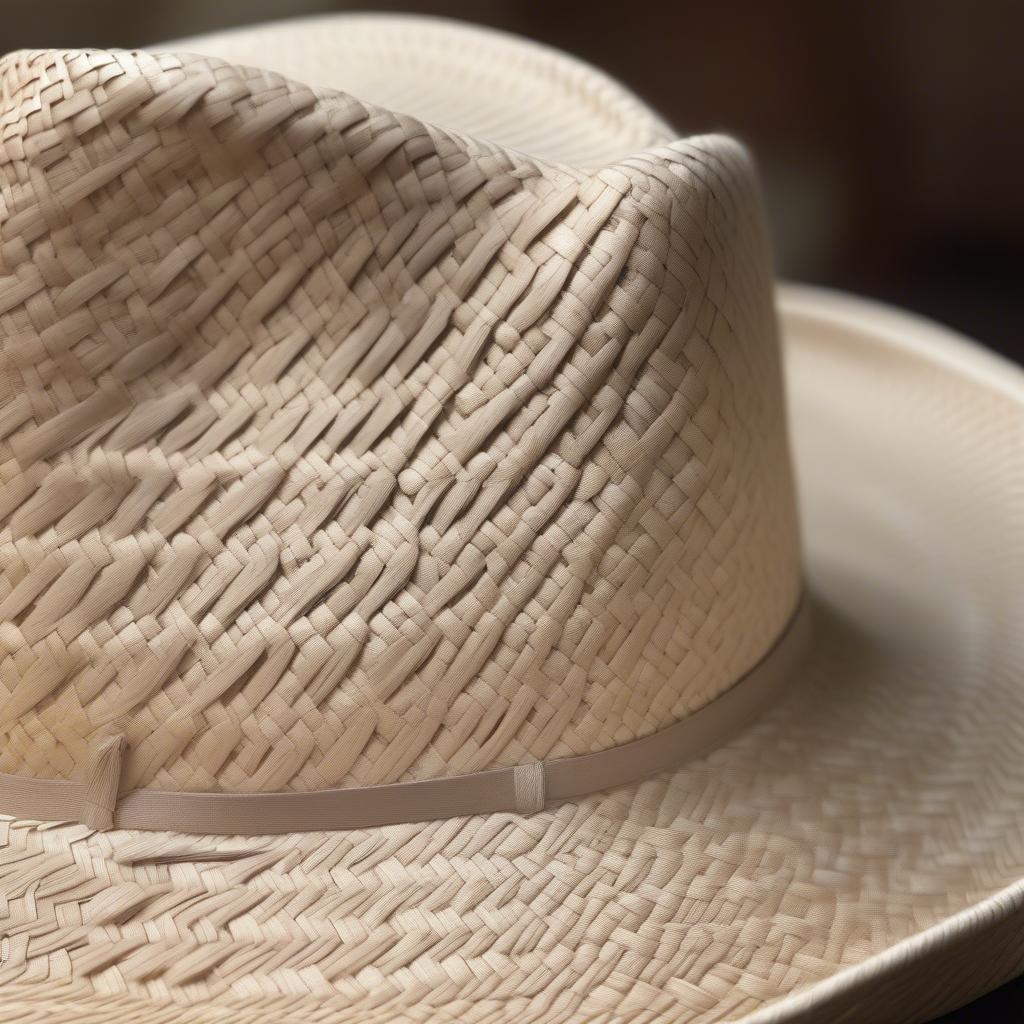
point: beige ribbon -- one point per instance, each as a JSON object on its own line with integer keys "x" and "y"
{"x": 523, "y": 789}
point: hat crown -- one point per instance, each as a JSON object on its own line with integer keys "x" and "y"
{"x": 341, "y": 450}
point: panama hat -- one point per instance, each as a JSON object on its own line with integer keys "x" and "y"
{"x": 435, "y": 585}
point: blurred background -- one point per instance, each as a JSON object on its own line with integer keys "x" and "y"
{"x": 890, "y": 135}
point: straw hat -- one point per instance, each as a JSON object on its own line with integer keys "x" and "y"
{"x": 403, "y": 611}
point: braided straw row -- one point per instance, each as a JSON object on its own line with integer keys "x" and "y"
{"x": 339, "y": 450}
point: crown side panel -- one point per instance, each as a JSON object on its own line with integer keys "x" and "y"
{"x": 338, "y": 450}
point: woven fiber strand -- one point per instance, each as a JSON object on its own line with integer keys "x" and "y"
{"x": 342, "y": 450}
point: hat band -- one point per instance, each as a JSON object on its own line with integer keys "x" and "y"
{"x": 522, "y": 789}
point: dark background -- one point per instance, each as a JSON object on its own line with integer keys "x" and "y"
{"x": 890, "y": 135}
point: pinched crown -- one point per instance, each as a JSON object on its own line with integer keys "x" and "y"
{"x": 338, "y": 449}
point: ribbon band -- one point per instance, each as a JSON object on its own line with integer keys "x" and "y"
{"x": 523, "y": 789}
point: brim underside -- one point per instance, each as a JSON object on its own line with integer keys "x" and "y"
{"x": 856, "y": 855}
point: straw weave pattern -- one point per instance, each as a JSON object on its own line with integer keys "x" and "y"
{"x": 337, "y": 449}
{"x": 865, "y": 835}
{"x": 488, "y": 85}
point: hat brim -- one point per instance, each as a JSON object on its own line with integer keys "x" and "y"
{"x": 855, "y": 855}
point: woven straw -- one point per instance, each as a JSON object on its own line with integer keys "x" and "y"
{"x": 341, "y": 450}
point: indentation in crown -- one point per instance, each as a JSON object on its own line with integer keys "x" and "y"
{"x": 337, "y": 449}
